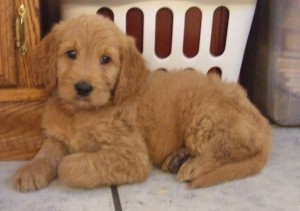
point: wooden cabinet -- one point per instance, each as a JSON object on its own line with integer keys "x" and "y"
{"x": 22, "y": 97}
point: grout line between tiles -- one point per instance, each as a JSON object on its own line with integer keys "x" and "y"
{"x": 116, "y": 198}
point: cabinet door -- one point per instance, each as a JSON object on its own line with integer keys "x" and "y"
{"x": 21, "y": 99}
{"x": 17, "y": 83}
{"x": 8, "y": 73}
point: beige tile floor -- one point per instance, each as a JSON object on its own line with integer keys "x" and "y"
{"x": 277, "y": 187}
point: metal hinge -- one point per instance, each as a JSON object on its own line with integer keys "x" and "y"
{"x": 20, "y": 25}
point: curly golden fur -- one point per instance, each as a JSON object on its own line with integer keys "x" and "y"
{"x": 123, "y": 118}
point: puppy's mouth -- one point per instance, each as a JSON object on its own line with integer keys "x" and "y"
{"x": 82, "y": 99}
{"x": 82, "y": 102}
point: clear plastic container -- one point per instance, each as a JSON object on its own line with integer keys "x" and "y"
{"x": 283, "y": 95}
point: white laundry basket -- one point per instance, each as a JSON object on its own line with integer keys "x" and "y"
{"x": 240, "y": 18}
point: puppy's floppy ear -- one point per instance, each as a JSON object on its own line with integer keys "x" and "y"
{"x": 133, "y": 72}
{"x": 43, "y": 61}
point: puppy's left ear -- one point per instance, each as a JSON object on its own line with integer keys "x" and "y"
{"x": 133, "y": 72}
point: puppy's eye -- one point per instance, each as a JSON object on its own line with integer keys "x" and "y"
{"x": 72, "y": 54}
{"x": 105, "y": 60}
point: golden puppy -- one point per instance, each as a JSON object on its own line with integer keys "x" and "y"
{"x": 109, "y": 119}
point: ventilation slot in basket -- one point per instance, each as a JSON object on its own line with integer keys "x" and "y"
{"x": 219, "y": 31}
{"x": 192, "y": 28}
{"x": 106, "y": 12}
{"x": 215, "y": 70}
{"x": 135, "y": 26}
{"x": 163, "y": 32}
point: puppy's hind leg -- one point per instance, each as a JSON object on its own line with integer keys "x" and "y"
{"x": 230, "y": 171}
{"x": 222, "y": 154}
{"x": 202, "y": 136}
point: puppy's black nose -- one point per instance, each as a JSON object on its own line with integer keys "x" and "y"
{"x": 83, "y": 88}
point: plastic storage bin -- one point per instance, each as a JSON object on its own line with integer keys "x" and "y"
{"x": 228, "y": 60}
{"x": 283, "y": 97}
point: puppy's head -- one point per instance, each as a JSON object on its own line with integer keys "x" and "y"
{"x": 94, "y": 62}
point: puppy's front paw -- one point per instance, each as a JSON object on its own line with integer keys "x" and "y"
{"x": 34, "y": 175}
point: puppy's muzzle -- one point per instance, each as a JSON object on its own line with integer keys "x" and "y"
{"x": 83, "y": 88}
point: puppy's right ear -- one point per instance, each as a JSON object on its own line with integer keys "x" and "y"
{"x": 133, "y": 72}
{"x": 43, "y": 61}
